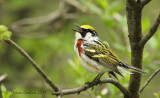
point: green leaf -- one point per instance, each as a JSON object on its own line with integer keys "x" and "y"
{"x": 3, "y": 88}
{"x": 156, "y": 95}
{"x": 102, "y": 3}
{"x": 4, "y": 33}
{"x": 3, "y": 29}
{"x": 5, "y": 93}
{"x": 106, "y": 44}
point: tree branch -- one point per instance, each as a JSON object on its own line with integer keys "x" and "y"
{"x": 77, "y": 5}
{"x": 86, "y": 86}
{"x": 138, "y": 1}
{"x": 47, "y": 23}
{"x": 134, "y": 14}
{"x": 37, "y": 68}
{"x": 41, "y": 23}
{"x": 145, "y": 2}
{"x": 151, "y": 32}
{"x": 150, "y": 78}
{"x": 131, "y": 2}
{"x": 2, "y": 77}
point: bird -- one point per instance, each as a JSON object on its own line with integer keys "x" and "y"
{"x": 96, "y": 56}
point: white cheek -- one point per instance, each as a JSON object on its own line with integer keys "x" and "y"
{"x": 88, "y": 36}
{"x": 78, "y": 35}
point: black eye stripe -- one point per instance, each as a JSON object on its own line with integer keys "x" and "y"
{"x": 88, "y": 30}
{"x": 83, "y": 34}
{"x": 93, "y": 32}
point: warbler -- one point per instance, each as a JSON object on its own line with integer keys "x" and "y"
{"x": 96, "y": 56}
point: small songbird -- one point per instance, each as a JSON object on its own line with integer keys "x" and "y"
{"x": 96, "y": 56}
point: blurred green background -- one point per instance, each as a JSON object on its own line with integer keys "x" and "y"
{"x": 43, "y": 28}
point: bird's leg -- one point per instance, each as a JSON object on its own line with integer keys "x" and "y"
{"x": 97, "y": 78}
{"x": 111, "y": 73}
{"x": 91, "y": 83}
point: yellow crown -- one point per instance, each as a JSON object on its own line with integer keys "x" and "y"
{"x": 88, "y": 27}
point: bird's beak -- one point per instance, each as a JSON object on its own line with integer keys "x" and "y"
{"x": 79, "y": 28}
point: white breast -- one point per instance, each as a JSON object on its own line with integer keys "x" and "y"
{"x": 89, "y": 64}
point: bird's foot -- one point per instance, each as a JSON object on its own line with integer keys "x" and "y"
{"x": 99, "y": 81}
{"x": 90, "y": 84}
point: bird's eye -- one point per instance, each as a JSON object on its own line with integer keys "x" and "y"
{"x": 91, "y": 31}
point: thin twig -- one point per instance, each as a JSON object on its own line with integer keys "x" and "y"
{"x": 47, "y": 23}
{"x": 38, "y": 69}
{"x": 151, "y": 32}
{"x": 86, "y": 86}
{"x": 150, "y": 78}
{"x": 43, "y": 24}
{"x": 2, "y": 77}
{"x": 33, "y": 24}
{"x": 59, "y": 96}
{"x": 77, "y": 5}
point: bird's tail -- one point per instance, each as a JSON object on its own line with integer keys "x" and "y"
{"x": 131, "y": 68}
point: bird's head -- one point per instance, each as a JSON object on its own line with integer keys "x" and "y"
{"x": 85, "y": 32}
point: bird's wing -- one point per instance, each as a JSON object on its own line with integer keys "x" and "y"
{"x": 102, "y": 54}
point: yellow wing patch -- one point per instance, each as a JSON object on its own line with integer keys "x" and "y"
{"x": 88, "y": 27}
{"x": 99, "y": 56}
{"x": 90, "y": 50}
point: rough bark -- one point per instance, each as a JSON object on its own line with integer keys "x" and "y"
{"x": 134, "y": 12}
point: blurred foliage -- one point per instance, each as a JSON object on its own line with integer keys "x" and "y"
{"x": 157, "y": 95}
{"x": 5, "y": 93}
{"x": 4, "y": 33}
{"x": 55, "y": 54}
